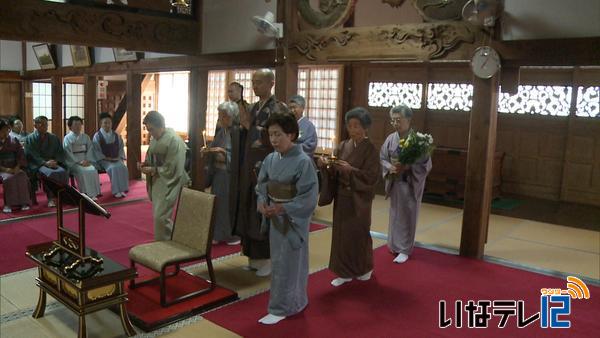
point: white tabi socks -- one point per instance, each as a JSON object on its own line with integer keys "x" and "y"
{"x": 401, "y": 258}
{"x": 365, "y": 277}
{"x": 264, "y": 270}
{"x": 271, "y": 319}
{"x": 339, "y": 281}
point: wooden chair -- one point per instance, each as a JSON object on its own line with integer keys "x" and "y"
{"x": 190, "y": 241}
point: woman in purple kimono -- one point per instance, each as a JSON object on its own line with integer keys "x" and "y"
{"x": 404, "y": 186}
{"x": 15, "y": 182}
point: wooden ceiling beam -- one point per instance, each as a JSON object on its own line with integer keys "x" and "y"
{"x": 262, "y": 58}
{"x": 64, "y": 23}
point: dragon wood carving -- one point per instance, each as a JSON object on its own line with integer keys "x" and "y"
{"x": 331, "y": 13}
{"x": 436, "y": 39}
{"x": 312, "y": 43}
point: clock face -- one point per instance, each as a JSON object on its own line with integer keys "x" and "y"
{"x": 485, "y": 62}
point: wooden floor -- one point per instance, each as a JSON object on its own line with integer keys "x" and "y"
{"x": 518, "y": 242}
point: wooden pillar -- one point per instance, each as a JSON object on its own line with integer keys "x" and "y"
{"x": 197, "y": 123}
{"x": 90, "y": 104}
{"x": 286, "y": 83}
{"x": 27, "y": 90}
{"x": 480, "y": 158}
{"x": 58, "y": 121}
{"x": 134, "y": 123}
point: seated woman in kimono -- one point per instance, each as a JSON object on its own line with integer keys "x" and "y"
{"x": 79, "y": 157}
{"x": 16, "y": 129}
{"x": 349, "y": 181}
{"x": 109, "y": 153}
{"x": 219, "y": 170}
{"x": 404, "y": 184}
{"x": 12, "y": 162}
{"x": 287, "y": 196}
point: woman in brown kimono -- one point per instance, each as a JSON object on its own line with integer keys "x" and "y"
{"x": 349, "y": 182}
{"x": 13, "y": 177}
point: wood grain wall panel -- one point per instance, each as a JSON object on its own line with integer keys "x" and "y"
{"x": 528, "y": 144}
{"x": 546, "y": 157}
{"x": 579, "y": 176}
{"x": 550, "y": 172}
{"x": 581, "y": 149}
{"x": 10, "y": 99}
{"x": 553, "y": 146}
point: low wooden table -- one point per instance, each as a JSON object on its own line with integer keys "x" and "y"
{"x": 104, "y": 289}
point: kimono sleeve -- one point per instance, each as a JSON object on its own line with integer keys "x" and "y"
{"x": 363, "y": 179}
{"x": 31, "y": 151}
{"x": 175, "y": 150}
{"x": 305, "y": 202}
{"x": 384, "y": 158}
{"x": 68, "y": 151}
{"x": 262, "y": 180}
{"x": 97, "y": 149}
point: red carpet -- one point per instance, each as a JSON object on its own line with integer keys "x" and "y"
{"x": 129, "y": 225}
{"x": 402, "y": 301}
{"x": 144, "y": 302}
{"x": 137, "y": 190}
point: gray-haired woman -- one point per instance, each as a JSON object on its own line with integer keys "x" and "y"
{"x": 350, "y": 183}
{"x": 404, "y": 185}
{"x": 222, "y": 171}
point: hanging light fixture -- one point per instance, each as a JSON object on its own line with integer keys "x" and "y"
{"x": 180, "y": 6}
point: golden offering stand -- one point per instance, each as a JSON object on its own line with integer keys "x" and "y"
{"x": 80, "y": 278}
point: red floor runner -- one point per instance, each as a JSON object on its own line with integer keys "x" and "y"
{"x": 402, "y": 301}
{"x": 129, "y": 225}
{"x": 137, "y": 190}
{"x": 144, "y": 302}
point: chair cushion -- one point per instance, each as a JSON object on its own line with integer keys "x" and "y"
{"x": 156, "y": 255}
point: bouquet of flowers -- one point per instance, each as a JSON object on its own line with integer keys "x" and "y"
{"x": 415, "y": 146}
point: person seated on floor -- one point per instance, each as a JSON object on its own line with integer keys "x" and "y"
{"x": 109, "y": 154}
{"x": 14, "y": 179}
{"x": 220, "y": 174}
{"x": 45, "y": 156}
{"x": 79, "y": 157}
{"x": 16, "y": 129}
{"x": 287, "y": 196}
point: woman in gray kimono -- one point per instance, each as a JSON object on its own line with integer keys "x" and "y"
{"x": 287, "y": 196}
{"x": 404, "y": 185}
{"x": 219, "y": 156}
{"x": 110, "y": 154}
{"x": 79, "y": 157}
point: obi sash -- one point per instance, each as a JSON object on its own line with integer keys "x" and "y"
{"x": 79, "y": 148}
{"x": 281, "y": 192}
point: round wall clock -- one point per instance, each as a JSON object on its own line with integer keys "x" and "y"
{"x": 485, "y": 62}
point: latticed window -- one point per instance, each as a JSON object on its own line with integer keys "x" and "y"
{"x": 543, "y": 100}
{"x": 73, "y": 100}
{"x": 450, "y": 96}
{"x": 217, "y": 93}
{"x": 320, "y": 88}
{"x": 173, "y": 98}
{"x": 244, "y": 77}
{"x": 218, "y": 81}
{"x": 588, "y": 101}
{"x": 389, "y": 94}
{"x": 42, "y": 99}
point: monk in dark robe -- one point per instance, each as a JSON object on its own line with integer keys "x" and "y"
{"x": 349, "y": 182}
{"x": 255, "y": 241}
